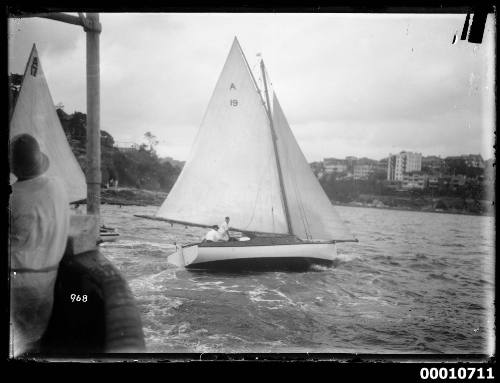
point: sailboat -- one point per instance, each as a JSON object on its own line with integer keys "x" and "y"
{"x": 246, "y": 164}
{"x": 34, "y": 113}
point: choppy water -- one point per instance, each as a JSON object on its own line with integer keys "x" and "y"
{"x": 415, "y": 283}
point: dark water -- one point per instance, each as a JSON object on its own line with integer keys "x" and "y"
{"x": 415, "y": 283}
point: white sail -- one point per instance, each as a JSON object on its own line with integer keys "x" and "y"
{"x": 34, "y": 113}
{"x": 311, "y": 212}
{"x": 232, "y": 169}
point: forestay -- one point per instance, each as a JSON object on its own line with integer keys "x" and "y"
{"x": 34, "y": 113}
{"x": 231, "y": 170}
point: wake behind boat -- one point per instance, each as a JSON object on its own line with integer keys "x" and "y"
{"x": 246, "y": 163}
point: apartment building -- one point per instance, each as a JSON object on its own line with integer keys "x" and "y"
{"x": 404, "y": 162}
{"x": 334, "y": 165}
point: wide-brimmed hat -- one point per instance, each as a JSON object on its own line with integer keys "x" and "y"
{"x": 27, "y": 160}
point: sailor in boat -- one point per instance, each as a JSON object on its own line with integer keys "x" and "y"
{"x": 224, "y": 230}
{"x": 213, "y": 235}
{"x": 39, "y": 226}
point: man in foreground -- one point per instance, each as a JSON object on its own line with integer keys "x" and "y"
{"x": 39, "y": 225}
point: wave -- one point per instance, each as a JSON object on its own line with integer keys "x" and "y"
{"x": 132, "y": 244}
{"x": 215, "y": 285}
{"x": 440, "y": 277}
{"x": 452, "y": 244}
{"x": 263, "y": 295}
{"x": 152, "y": 283}
{"x": 347, "y": 257}
{"x": 320, "y": 268}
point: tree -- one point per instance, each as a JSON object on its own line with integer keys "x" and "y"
{"x": 107, "y": 139}
{"x": 152, "y": 141}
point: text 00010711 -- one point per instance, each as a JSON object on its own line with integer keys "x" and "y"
{"x": 456, "y": 373}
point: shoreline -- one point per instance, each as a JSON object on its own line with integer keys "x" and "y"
{"x": 128, "y": 196}
{"x": 459, "y": 212}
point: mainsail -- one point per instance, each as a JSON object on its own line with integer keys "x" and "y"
{"x": 239, "y": 168}
{"x": 34, "y": 113}
{"x": 231, "y": 169}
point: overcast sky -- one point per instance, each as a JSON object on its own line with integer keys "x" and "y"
{"x": 349, "y": 84}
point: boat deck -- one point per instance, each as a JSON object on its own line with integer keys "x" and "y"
{"x": 258, "y": 241}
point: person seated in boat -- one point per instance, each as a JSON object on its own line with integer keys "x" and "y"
{"x": 39, "y": 227}
{"x": 213, "y": 235}
{"x": 224, "y": 230}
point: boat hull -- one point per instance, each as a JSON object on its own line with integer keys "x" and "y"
{"x": 284, "y": 257}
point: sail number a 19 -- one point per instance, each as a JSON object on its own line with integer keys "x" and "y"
{"x": 233, "y": 102}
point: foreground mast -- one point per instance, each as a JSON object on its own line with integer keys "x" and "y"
{"x": 276, "y": 155}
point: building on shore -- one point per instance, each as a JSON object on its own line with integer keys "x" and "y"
{"x": 381, "y": 165}
{"x": 334, "y": 165}
{"x": 433, "y": 164}
{"x": 362, "y": 172}
{"x": 404, "y": 162}
{"x": 414, "y": 180}
{"x": 474, "y": 161}
{"x": 350, "y": 161}
{"x": 125, "y": 149}
{"x": 363, "y": 168}
{"x": 468, "y": 160}
{"x": 457, "y": 181}
{"x": 433, "y": 182}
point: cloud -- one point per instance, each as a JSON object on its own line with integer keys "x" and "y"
{"x": 52, "y": 39}
{"x": 348, "y": 84}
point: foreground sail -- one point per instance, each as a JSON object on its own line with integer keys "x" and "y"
{"x": 246, "y": 164}
{"x": 34, "y": 113}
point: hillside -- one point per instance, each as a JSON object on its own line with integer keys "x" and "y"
{"x": 136, "y": 167}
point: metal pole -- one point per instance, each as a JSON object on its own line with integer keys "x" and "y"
{"x": 93, "y": 116}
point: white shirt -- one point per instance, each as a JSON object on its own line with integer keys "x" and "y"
{"x": 39, "y": 226}
{"x": 213, "y": 236}
{"x": 224, "y": 231}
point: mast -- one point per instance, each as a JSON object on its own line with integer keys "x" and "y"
{"x": 275, "y": 146}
